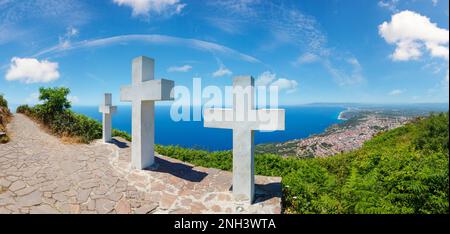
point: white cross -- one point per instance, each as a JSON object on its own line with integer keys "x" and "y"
{"x": 107, "y": 109}
{"x": 143, "y": 93}
{"x": 243, "y": 118}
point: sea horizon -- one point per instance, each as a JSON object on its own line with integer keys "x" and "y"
{"x": 301, "y": 122}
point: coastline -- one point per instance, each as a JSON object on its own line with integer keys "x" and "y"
{"x": 341, "y": 115}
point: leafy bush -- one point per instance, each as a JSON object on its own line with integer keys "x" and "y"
{"x": 25, "y": 109}
{"x": 4, "y": 119}
{"x": 3, "y": 102}
{"x": 122, "y": 134}
{"x": 404, "y": 170}
{"x": 54, "y": 113}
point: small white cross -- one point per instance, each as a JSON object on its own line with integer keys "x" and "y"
{"x": 107, "y": 109}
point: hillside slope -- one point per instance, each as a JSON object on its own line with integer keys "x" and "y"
{"x": 404, "y": 170}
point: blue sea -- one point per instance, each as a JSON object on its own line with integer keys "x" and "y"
{"x": 301, "y": 121}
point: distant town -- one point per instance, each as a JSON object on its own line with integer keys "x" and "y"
{"x": 359, "y": 126}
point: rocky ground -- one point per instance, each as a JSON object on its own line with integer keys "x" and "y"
{"x": 40, "y": 174}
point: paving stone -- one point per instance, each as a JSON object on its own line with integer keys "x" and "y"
{"x": 146, "y": 209}
{"x": 167, "y": 201}
{"x": 43, "y": 209}
{"x": 60, "y": 197}
{"x": 97, "y": 178}
{"x": 25, "y": 191}
{"x": 4, "y": 183}
{"x": 123, "y": 207}
{"x": 32, "y": 199}
{"x": 104, "y": 206}
{"x": 3, "y": 210}
{"x": 83, "y": 195}
{"x": 17, "y": 185}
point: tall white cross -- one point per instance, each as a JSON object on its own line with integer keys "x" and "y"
{"x": 143, "y": 93}
{"x": 243, "y": 118}
{"x": 107, "y": 109}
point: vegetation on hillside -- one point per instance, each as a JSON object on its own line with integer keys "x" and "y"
{"x": 404, "y": 170}
{"x": 5, "y": 115}
{"x": 55, "y": 114}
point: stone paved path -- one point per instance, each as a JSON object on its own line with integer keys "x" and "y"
{"x": 40, "y": 174}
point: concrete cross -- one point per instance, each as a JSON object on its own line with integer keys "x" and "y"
{"x": 143, "y": 93}
{"x": 107, "y": 109}
{"x": 243, "y": 118}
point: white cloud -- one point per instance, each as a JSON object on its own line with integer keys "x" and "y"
{"x": 389, "y": 4}
{"x": 285, "y": 84}
{"x": 346, "y": 76}
{"x": 445, "y": 81}
{"x": 152, "y": 39}
{"x": 283, "y": 20}
{"x": 159, "y": 7}
{"x": 65, "y": 41}
{"x": 435, "y": 2}
{"x": 231, "y": 26}
{"x": 412, "y": 33}
{"x": 222, "y": 71}
{"x": 184, "y": 68}
{"x": 31, "y": 70}
{"x": 265, "y": 78}
{"x": 72, "y": 31}
{"x": 396, "y": 92}
{"x": 62, "y": 12}
{"x": 32, "y": 99}
{"x": 73, "y": 99}
{"x": 307, "y": 58}
{"x": 245, "y": 7}
{"x": 268, "y": 78}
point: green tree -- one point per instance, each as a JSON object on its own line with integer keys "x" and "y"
{"x": 55, "y": 102}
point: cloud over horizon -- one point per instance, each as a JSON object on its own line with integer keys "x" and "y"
{"x": 413, "y": 34}
{"x": 31, "y": 70}
{"x": 268, "y": 79}
{"x": 147, "y": 7}
{"x": 184, "y": 68}
{"x": 222, "y": 71}
{"x": 156, "y": 39}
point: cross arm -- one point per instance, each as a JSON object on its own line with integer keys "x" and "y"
{"x": 107, "y": 109}
{"x": 217, "y": 118}
{"x": 262, "y": 119}
{"x": 270, "y": 119}
{"x": 151, "y": 90}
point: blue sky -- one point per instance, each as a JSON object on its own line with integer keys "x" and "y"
{"x": 388, "y": 51}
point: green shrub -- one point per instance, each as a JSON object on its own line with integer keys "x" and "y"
{"x": 122, "y": 134}
{"x": 404, "y": 170}
{"x": 25, "y": 109}
{"x": 3, "y": 102}
{"x": 54, "y": 113}
{"x": 4, "y": 119}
